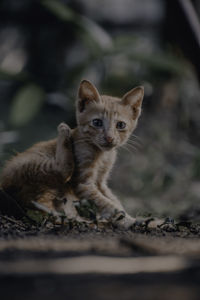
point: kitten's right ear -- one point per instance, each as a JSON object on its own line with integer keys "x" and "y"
{"x": 87, "y": 92}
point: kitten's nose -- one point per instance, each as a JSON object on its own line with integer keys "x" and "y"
{"x": 109, "y": 139}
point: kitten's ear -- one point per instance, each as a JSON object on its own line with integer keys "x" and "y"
{"x": 134, "y": 98}
{"x": 87, "y": 92}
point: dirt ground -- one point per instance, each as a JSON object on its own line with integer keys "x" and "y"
{"x": 157, "y": 259}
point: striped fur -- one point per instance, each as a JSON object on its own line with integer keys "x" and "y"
{"x": 77, "y": 164}
{"x": 42, "y": 173}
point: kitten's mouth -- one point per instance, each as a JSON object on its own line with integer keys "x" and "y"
{"x": 108, "y": 146}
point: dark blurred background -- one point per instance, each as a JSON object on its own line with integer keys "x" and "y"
{"x": 47, "y": 47}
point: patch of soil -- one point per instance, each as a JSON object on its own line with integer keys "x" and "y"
{"x": 94, "y": 260}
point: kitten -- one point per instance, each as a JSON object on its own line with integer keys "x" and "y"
{"x": 78, "y": 163}
{"x": 103, "y": 124}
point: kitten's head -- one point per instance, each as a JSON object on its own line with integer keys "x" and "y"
{"x": 106, "y": 121}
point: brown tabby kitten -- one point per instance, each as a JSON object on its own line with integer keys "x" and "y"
{"x": 47, "y": 171}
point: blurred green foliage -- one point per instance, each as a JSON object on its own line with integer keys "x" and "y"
{"x": 26, "y": 104}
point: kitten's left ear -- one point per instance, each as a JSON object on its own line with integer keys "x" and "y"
{"x": 134, "y": 98}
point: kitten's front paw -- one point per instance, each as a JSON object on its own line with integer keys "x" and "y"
{"x": 64, "y": 130}
{"x": 124, "y": 223}
{"x": 110, "y": 213}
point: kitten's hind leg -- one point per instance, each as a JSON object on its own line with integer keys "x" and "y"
{"x": 46, "y": 200}
{"x": 64, "y": 155}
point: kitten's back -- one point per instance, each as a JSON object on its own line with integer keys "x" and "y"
{"x": 27, "y": 175}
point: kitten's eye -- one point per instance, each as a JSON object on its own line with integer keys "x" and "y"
{"x": 97, "y": 123}
{"x": 120, "y": 125}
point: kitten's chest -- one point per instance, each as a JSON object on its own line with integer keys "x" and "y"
{"x": 103, "y": 160}
{"x": 104, "y": 164}
{"x": 96, "y": 162}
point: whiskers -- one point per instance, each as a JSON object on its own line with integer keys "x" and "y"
{"x": 136, "y": 141}
{"x": 97, "y": 145}
{"x": 133, "y": 144}
{"x": 126, "y": 147}
{"x": 86, "y": 140}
